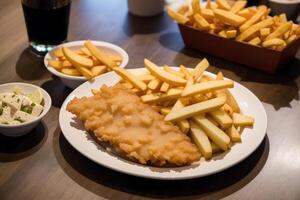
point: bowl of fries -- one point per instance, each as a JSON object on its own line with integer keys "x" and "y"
{"x": 246, "y": 35}
{"x": 78, "y": 61}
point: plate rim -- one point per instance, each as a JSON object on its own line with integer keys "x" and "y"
{"x": 147, "y": 175}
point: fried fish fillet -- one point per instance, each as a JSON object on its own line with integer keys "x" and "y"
{"x": 134, "y": 129}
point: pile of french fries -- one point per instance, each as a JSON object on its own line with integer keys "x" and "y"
{"x": 198, "y": 104}
{"x": 233, "y": 20}
{"x": 88, "y": 61}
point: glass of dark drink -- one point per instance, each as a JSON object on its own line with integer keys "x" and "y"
{"x": 47, "y": 23}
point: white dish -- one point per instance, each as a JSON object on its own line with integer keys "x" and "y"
{"x": 251, "y": 137}
{"x": 74, "y": 81}
{"x": 290, "y": 7}
{"x": 26, "y": 127}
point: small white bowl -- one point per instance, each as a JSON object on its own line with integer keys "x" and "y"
{"x": 74, "y": 81}
{"x": 26, "y": 127}
{"x": 290, "y": 7}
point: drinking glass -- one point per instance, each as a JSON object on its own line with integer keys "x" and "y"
{"x": 47, "y": 23}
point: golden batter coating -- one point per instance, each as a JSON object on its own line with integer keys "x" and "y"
{"x": 133, "y": 128}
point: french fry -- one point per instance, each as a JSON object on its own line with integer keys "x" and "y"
{"x": 76, "y": 59}
{"x": 212, "y": 120}
{"x": 196, "y": 6}
{"x": 201, "y": 140}
{"x": 55, "y": 64}
{"x": 165, "y": 110}
{"x": 163, "y": 75}
{"x": 276, "y": 20}
{"x": 184, "y": 71}
{"x": 160, "y": 97}
{"x": 183, "y": 9}
{"x": 66, "y": 64}
{"x": 184, "y": 125}
{"x": 209, "y": 4}
{"x": 255, "y": 41}
{"x": 85, "y": 72}
{"x": 154, "y": 84}
{"x": 262, "y": 10}
{"x": 128, "y": 85}
{"x": 223, "y": 4}
{"x": 95, "y": 60}
{"x": 229, "y": 17}
{"x": 130, "y": 78}
{"x": 283, "y": 28}
{"x": 222, "y": 118}
{"x": 63, "y": 58}
{"x": 213, "y": 132}
{"x": 228, "y": 109}
{"x": 149, "y": 91}
{"x": 220, "y": 76}
{"x": 79, "y": 62}
{"x": 189, "y": 82}
{"x": 205, "y": 78}
{"x": 238, "y": 5}
{"x": 99, "y": 54}
{"x": 78, "y": 51}
{"x": 222, "y": 34}
{"x": 265, "y": 31}
{"x": 233, "y": 133}
{"x": 286, "y": 35}
{"x": 207, "y": 13}
{"x": 230, "y": 100}
{"x": 135, "y": 90}
{"x": 246, "y": 13}
{"x": 200, "y": 68}
{"x": 242, "y": 120}
{"x": 253, "y": 29}
{"x": 70, "y": 71}
{"x": 97, "y": 70}
{"x": 231, "y": 33}
{"x": 58, "y": 53}
{"x": 273, "y": 42}
{"x": 181, "y": 19}
{"x": 172, "y": 71}
{"x": 207, "y": 87}
{"x": 85, "y": 51}
{"x": 201, "y": 22}
{"x": 164, "y": 87}
{"x": 283, "y": 18}
{"x": 195, "y": 109}
{"x": 145, "y": 77}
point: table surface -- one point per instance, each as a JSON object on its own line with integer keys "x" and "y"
{"x": 43, "y": 165}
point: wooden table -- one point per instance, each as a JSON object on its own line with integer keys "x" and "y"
{"x": 43, "y": 165}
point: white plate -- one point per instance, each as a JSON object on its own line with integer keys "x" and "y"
{"x": 74, "y": 81}
{"x": 251, "y": 137}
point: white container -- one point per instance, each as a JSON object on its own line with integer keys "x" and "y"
{"x": 75, "y": 81}
{"x": 145, "y": 8}
{"x": 290, "y": 7}
{"x": 26, "y": 127}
